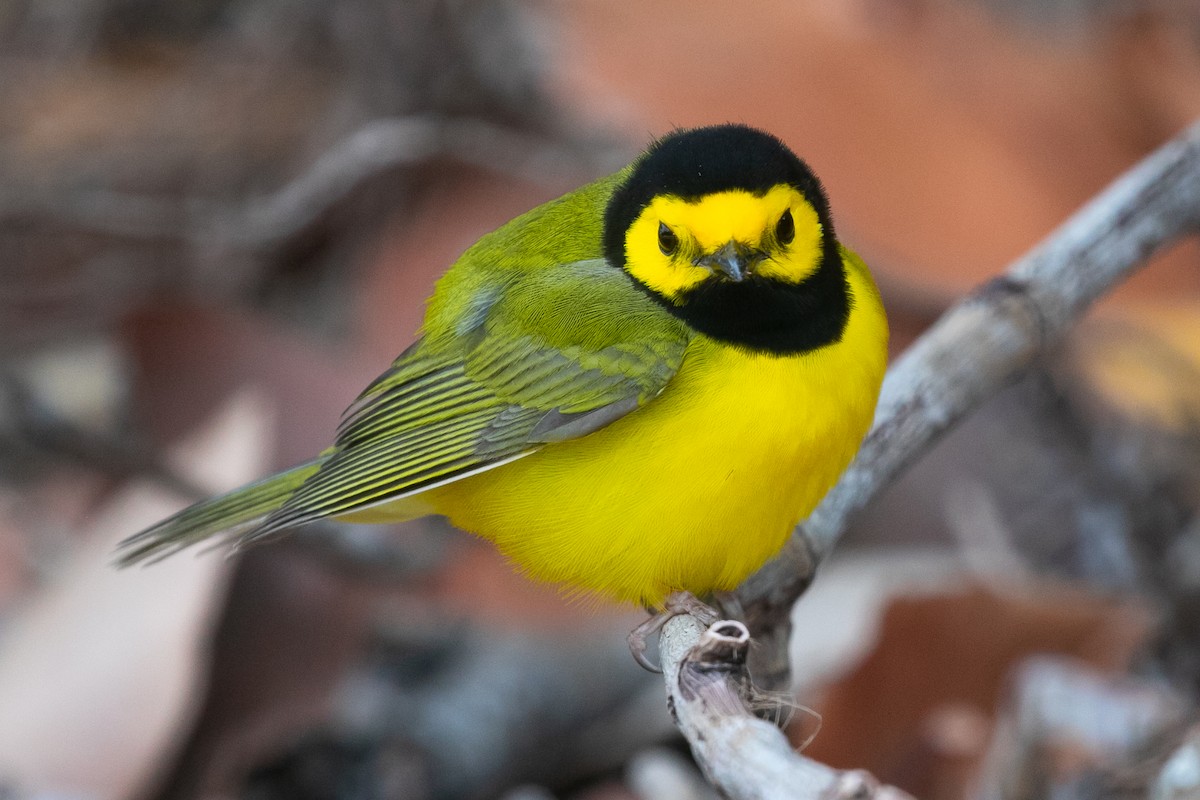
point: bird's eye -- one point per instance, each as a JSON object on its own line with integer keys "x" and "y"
{"x": 785, "y": 229}
{"x": 668, "y": 242}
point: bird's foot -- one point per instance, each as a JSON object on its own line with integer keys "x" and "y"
{"x": 676, "y": 604}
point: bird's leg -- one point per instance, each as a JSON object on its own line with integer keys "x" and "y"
{"x": 677, "y": 603}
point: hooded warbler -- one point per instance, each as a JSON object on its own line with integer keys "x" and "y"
{"x": 636, "y": 389}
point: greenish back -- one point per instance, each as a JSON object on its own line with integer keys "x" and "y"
{"x": 530, "y": 338}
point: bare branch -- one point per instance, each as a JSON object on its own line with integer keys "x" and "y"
{"x": 386, "y": 144}
{"x": 743, "y": 756}
{"x": 1008, "y": 323}
{"x": 1083, "y": 722}
{"x": 936, "y": 383}
{"x": 267, "y": 222}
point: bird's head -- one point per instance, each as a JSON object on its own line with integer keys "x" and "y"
{"x": 730, "y": 231}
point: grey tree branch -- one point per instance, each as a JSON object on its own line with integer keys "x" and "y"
{"x": 743, "y": 756}
{"x": 978, "y": 346}
{"x": 981, "y": 344}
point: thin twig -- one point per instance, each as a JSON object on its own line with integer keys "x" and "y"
{"x": 1083, "y": 721}
{"x": 387, "y": 144}
{"x": 378, "y": 148}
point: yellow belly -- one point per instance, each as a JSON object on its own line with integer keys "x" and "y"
{"x": 694, "y": 491}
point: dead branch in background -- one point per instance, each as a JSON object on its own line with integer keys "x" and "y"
{"x": 387, "y": 144}
{"x": 180, "y": 196}
{"x": 1086, "y": 723}
{"x": 977, "y": 347}
{"x": 375, "y": 149}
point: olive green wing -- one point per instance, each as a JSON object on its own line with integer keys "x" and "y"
{"x": 555, "y": 355}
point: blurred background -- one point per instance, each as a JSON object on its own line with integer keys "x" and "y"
{"x": 219, "y": 220}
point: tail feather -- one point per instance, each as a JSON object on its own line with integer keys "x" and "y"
{"x": 233, "y": 514}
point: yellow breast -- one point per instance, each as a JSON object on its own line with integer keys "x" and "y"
{"x": 698, "y": 488}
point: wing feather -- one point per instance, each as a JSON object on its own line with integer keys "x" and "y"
{"x": 445, "y": 410}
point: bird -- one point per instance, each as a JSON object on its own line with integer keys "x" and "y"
{"x": 635, "y": 391}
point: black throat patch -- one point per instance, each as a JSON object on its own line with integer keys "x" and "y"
{"x": 770, "y": 316}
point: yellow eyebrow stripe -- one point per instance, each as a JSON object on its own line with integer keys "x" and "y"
{"x": 716, "y": 218}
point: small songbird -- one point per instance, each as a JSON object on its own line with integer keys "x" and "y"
{"x": 637, "y": 389}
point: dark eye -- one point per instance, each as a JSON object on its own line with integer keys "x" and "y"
{"x": 668, "y": 242}
{"x": 785, "y": 229}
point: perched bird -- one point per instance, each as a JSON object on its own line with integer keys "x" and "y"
{"x": 637, "y": 389}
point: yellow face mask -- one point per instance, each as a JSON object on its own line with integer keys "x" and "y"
{"x": 674, "y": 245}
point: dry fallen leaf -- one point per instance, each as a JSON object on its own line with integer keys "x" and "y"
{"x": 954, "y": 650}
{"x": 100, "y": 671}
{"x": 839, "y": 617}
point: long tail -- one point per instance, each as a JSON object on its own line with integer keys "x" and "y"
{"x": 231, "y": 514}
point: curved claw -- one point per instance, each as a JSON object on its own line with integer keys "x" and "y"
{"x": 637, "y": 648}
{"x": 676, "y": 604}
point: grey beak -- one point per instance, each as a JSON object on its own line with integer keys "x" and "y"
{"x": 732, "y": 261}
